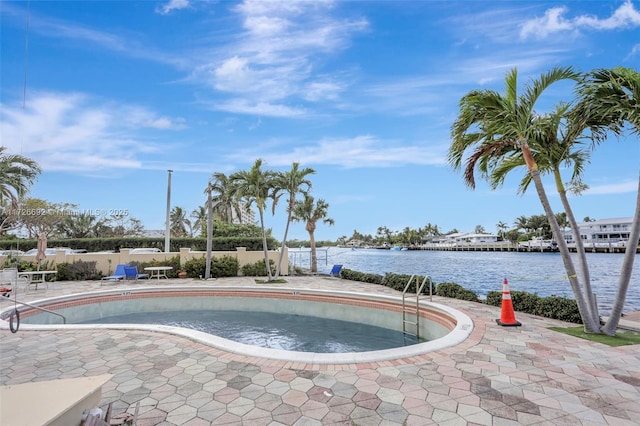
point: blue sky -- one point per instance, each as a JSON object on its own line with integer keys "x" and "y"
{"x": 118, "y": 92}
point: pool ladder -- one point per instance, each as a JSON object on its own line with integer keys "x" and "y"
{"x": 410, "y": 310}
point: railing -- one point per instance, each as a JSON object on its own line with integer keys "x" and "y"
{"x": 410, "y": 310}
{"x": 16, "y": 313}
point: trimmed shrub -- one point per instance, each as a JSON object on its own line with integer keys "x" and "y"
{"x": 560, "y": 308}
{"x": 494, "y": 298}
{"x": 349, "y": 274}
{"x": 78, "y": 271}
{"x": 555, "y": 307}
{"x": 226, "y": 266}
{"x": 258, "y": 269}
{"x": 456, "y": 291}
{"x": 524, "y": 301}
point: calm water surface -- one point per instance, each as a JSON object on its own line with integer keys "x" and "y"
{"x": 276, "y": 331}
{"x": 541, "y": 273}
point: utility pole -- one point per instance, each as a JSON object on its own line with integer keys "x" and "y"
{"x": 167, "y": 231}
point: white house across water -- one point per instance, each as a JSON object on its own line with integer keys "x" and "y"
{"x": 603, "y": 233}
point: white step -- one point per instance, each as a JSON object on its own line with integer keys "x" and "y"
{"x": 54, "y": 402}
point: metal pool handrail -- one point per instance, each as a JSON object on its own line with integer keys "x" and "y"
{"x": 64, "y": 319}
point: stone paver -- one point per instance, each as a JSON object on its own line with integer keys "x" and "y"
{"x": 499, "y": 376}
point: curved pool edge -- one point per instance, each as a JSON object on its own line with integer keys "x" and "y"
{"x": 462, "y": 330}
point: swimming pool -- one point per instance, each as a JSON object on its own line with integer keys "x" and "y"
{"x": 288, "y": 332}
{"x": 441, "y": 325}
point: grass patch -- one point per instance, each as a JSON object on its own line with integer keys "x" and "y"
{"x": 278, "y": 281}
{"x": 620, "y": 339}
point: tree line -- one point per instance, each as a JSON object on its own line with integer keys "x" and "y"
{"x": 227, "y": 195}
{"x": 523, "y": 229}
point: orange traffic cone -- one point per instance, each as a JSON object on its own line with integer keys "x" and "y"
{"x": 508, "y": 316}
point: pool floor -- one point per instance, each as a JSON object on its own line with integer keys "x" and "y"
{"x": 276, "y": 331}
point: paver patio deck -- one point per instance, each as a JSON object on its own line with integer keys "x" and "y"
{"x": 500, "y": 376}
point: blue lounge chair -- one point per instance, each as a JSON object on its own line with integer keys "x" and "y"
{"x": 335, "y": 271}
{"x": 118, "y": 274}
{"x": 131, "y": 272}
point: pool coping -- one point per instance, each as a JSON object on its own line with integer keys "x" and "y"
{"x": 461, "y": 331}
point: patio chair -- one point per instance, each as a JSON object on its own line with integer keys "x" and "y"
{"x": 131, "y": 272}
{"x": 9, "y": 280}
{"x": 335, "y": 271}
{"x": 118, "y": 274}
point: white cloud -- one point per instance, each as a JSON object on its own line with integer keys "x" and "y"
{"x": 172, "y": 5}
{"x": 554, "y": 21}
{"x": 613, "y": 188}
{"x": 320, "y": 90}
{"x": 274, "y": 61}
{"x": 73, "y": 132}
{"x": 634, "y": 51}
{"x": 626, "y": 16}
{"x": 266, "y": 109}
{"x": 357, "y": 152}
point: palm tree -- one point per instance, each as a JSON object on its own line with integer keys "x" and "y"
{"x": 17, "y": 174}
{"x": 224, "y": 200}
{"x": 292, "y": 182}
{"x": 310, "y": 212}
{"x": 199, "y": 219}
{"x": 178, "y": 222}
{"x": 608, "y": 99}
{"x": 557, "y": 144}
{"x": 521, "y": 223}
{"x": 495, "y": 127}
{"x": 81, "y": 225}
{"x": 502, "y": 227}
{"x": 255, "y": 187}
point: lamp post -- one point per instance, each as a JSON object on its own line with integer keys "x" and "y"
{"x": 207, "y": 272}
{"x": 167, "y": 231}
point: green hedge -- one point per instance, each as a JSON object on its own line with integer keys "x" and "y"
{"x": 252, "y": 243}
{"x": 226, "y": 266}
{"x": 554, "y": 307}
{"x": 456, "y": 291}
{"x": 78, "y": 271}
{"x": 258, "y": 269}
{"x": 349, "y": 274}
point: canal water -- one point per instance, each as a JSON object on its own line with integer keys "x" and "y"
{"x": 481, "y": 272}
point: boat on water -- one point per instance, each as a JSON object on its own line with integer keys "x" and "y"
{"x": 538, "y": 243}
{"x": 398, "y": 248}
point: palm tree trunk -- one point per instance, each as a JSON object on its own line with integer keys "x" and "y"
{"x": 625, "y": 273}
{"x": 264, "y": 245}
{"x": 590, "y": 325}
{"x": 580, "y": 251}
{"x": 314, "y": 257}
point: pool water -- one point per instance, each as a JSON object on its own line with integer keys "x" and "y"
{"x": 276, "y": 331}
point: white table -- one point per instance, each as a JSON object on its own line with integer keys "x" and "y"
{"x": 158, "y": 271}
{"x": 36, "y": 277}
